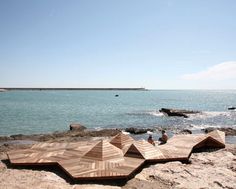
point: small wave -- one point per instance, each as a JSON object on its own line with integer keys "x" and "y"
{"x": 98, "y": 128}
{"x": 204, "y": 126}
{"x": 158, "y": 114}
{"x": 137, "y": 113}
{"x": 149, "y": 113}
{"x": 125, "y": 133}
{"x": 208, "y": 114}
{"x": 213, "y": 114}
{"x": 201, "y": 126}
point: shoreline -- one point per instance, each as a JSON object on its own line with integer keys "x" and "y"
{"x": 88, "y": 134}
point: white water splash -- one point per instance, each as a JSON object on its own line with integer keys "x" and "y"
{"x": 125, "y": 133}
{"x": 155, "y": 113}
{"x": 152, "y": 113}
{"x": 201, "y": 126}
{"x": 206, "y": 115}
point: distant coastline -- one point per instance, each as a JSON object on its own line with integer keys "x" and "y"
{"x": 40, "y": 89}
{"x": 2, "y": 90}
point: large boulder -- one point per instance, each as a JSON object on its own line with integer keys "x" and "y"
{"x": 77, "y": 127}
{"x": 185, "y": 131}
{"x": 177, "y": 112}
{"x": 137, "y": 131}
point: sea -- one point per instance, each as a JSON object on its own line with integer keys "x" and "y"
{"x": 31, "y": 111}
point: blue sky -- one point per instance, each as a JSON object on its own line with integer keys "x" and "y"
{"x": 157, "y": 44}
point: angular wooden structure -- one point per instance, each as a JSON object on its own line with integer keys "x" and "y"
{"x": 103, "y": 160}
{"x": 122, "y": 141}
{"x": 180, "y": 147}
{"x": 143, "y": 149}
{"x": 114, "y": 159}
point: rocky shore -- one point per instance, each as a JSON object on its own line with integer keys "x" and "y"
{"x": 208, "y": 169}
{"x": 82, "y": 133}
{"x": 73, "y": 135}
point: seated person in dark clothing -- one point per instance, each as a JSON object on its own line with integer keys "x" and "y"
{"x": 163, "y": 138}
{"x": 150, "y": 140}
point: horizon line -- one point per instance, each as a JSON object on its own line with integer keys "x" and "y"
{"x": 73, "y": 88}
{"x": 99, "y": 88}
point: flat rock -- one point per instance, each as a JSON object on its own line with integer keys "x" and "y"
{"x": 228, "y": 130}
{"x": 77, "y": 127}
{"x": 185, "y": 131}
{"x": 177, "y": 112}
{"x": 5, "y": 138}
{"x": 137, "y": 131}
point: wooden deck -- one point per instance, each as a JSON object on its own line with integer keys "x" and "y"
{"x": 180, "y": 147}
{"x": 117, "y": 158}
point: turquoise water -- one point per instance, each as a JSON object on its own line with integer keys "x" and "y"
{"x": 30, "y": 112}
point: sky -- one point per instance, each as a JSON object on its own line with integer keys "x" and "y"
{"x": 156, "y": 44}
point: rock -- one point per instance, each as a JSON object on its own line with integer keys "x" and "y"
{"x": 178, "y": 112}
{"x": 171, "y": 112}
{"x": 232, "y": 108}
{"x": 101, "y": 133}
{"x": 185, "y": 131}
{"x": 18, "y": 137}
{"x": 77, "y": 127}
{"x": 228, "y": 130}
{"x": 137, "y": 131}
{"x": 2, "y": 166}
{"x": 146, "y": 184}
{"x": 5, "y": 138}
{"x": 207, "y": 170}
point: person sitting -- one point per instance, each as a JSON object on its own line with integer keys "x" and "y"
{"x": 163, "y": 139}
{"x": 150, "y": 140}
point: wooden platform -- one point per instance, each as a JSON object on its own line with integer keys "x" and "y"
{"x": 180, "y": 147}
{"x": 117, "y": 158}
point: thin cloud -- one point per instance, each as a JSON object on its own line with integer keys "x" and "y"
{"x": 222, "y": 71}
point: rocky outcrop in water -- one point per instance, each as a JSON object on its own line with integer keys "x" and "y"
{"x": 232, "y": 108}
{"x": 177, "y": 112}
{"x": 185, "y": 131}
